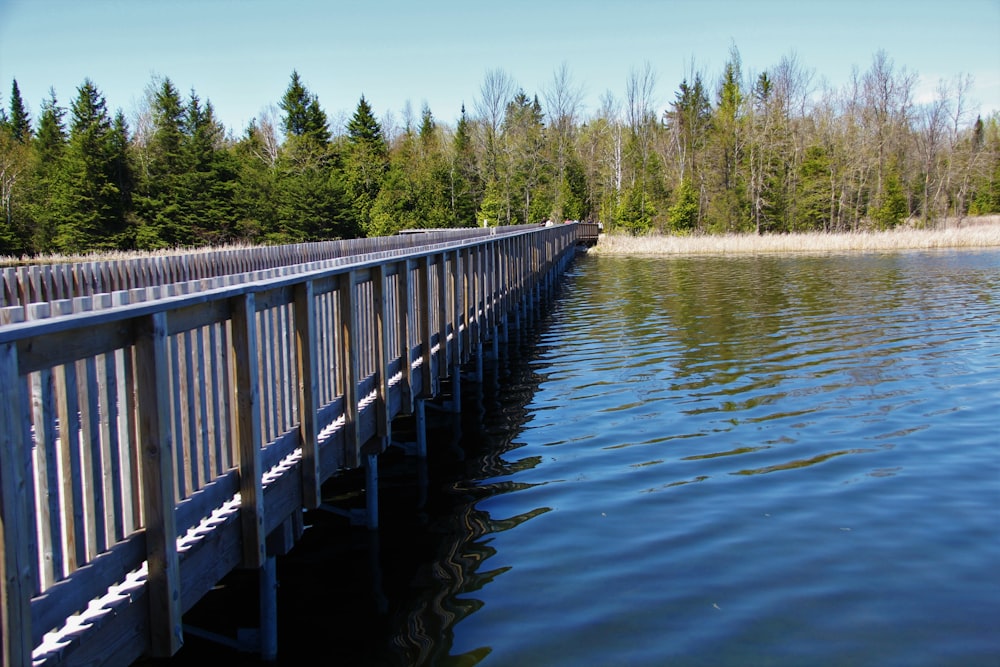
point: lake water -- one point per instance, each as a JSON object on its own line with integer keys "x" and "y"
{"x": 769, "y": 460}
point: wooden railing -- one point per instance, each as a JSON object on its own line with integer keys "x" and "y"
{"x": 148, "y": 449}
{"x": 46, "y": 282}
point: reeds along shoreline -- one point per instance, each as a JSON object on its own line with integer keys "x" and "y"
{"x": 973, "y": 234}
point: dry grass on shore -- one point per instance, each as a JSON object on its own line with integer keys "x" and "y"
{"x": 971, "y": 234}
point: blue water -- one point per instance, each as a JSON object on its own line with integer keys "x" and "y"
{"x": 775, "y": 460}
{"x": 760, "y": 461}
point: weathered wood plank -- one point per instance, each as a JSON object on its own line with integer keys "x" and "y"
{"x": 70, "y": 464}
{"x": 404, "y": 330}
{"x": 424, "y": 301}
{"x": 246, "y": 385}
{"x": 381, "y": 331}
{"x": 45, "y": 421}
{"x": 153, "y": 422}
{"x": 349, "y": 369}
{"x": 305, "y": 354}
{"x": 17, "y": 529}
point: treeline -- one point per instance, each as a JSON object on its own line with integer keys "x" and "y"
{"x": 764, "y": 152}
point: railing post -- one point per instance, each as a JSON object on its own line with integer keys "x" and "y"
{"x": 406, "y": 326}
{"x": 17, "y": 527}
{"x": 155, "y": 440}
{"x": 429, "y": 378}
{"x": 305, "y": 344}
{"x": 381, "y": 308}
{"x": 444, "y": 297}
{"x": 248, "y": 429}
{"x": 349, "y": 343}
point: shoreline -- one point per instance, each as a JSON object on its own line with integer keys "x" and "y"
{"x": 975, "y": 233}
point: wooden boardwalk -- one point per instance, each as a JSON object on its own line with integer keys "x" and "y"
{"x": 154, "y": 437}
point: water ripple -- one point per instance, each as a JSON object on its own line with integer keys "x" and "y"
{"x": 670, "y": 390}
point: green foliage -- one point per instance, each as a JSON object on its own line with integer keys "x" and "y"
{"x": 494, "y": 209}
{"x": 682, "y": 216}
{"x": 755, "y": 156}
{"x": 303, "y": 116}
{"x": 635, "y": 212}
{"x": 985, "y": 197}
{"x": 88, "y": 200}
{"x": 465, "y": 181}
{"x": 365, "y": 164}
{"x": 688, "y": 119}
{"x": 813, "y": 196}
{"x": 893, "y": 207}
{"x": 17, "y": 123}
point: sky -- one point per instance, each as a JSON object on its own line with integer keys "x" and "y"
{"x": 240, "y": 54}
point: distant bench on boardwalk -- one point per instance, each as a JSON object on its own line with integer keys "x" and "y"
{"x": 156, "y": 437}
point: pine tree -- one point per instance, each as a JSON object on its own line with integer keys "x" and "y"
{"x": 160, "y": 199}
{"x": 256, "y": 157}
{"x": 90, "y": 203}
{"x": 207, "y": 180}
{"x": 466, "y": 185}
{"x": 366, "y": 162}
{"x": 49, "y": 147}
{"x": 18, "y": 122}
{"x": 303, "y": 116}
{"x": 122, "y": 176}
{"x": 683, "y": 215}
{"x": 893, "y": 207}
{"x": 688, "y": 119}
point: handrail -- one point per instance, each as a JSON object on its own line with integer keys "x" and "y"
{"x": 44, "y": 282}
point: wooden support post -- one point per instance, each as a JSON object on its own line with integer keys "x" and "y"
{"x": 479, "y": 361}
{"x": 420, "y": 416}
{"x": 155, "y": 440}
{"x": 17, "y": 523}
{"x": 268, "y": 587}
{"x": 456, "y": 387}
{"x": 305, "y": 347}
{"x": 371, "y": 490}
{"x": 246, "y": 384}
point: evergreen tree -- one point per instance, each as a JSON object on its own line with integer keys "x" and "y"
{"x": 683, "y": 215}
{"x": 90, "y": 203}
{"x": 528, "y": 171}
{"x": 18, "y": 122}
{"x": 465, "y": 187}
{"x": 366, "y": 162}
{"x": 892, "y": 209}
{"x": 122, "y": 176}
{"x": 160, "y": 199}
{"x": 688, "y": 119}
{"x": 255, "y": 188}
{"x": 986, "y": 183}
{"x": 49, "y": 147}
{"x": 309, "y": 197}
{"x": 414, "y": 191}
{"x": 303, "y": 116}
{"x": 207, "y": 180}
{"x": 729, "y": 208}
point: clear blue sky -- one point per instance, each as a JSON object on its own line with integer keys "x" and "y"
{"x": 239, "y": 54}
